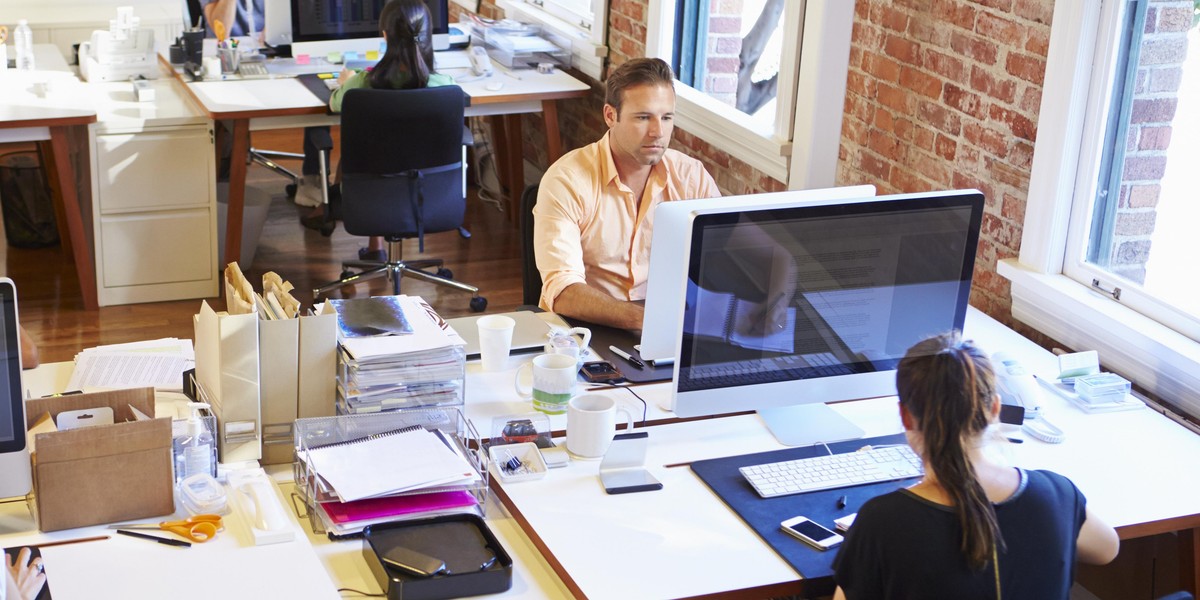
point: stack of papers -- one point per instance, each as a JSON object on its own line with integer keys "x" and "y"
{"x": 413, "y": 358}
{"x": 412, "y": 472}
{"x": 157, "y": 363}
{"x": 1128, "y": 402}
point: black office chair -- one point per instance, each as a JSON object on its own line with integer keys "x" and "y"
{"x": 531, "y": 279}
{"x": 403, "y": 176}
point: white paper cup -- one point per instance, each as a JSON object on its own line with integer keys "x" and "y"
{"x": 495, "y": 341}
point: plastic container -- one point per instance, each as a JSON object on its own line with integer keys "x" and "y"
{"x": 1102, "y": 387}
{"x": 23, "y": 43}
{"x": 517, "y": 462}
{"x": 195, "y": 451}
{"x": 200, "y": 494}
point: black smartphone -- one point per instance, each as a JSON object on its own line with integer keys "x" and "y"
{"x": 601, "y": 371}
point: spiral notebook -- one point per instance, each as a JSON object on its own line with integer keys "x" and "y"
{"x": 726, "y": 316}
{"x": 390, "y": 463}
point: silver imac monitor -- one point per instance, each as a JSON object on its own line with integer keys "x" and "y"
{"x": 320, "y": 27}
{"x": 667, "y": 280}
{"x": 787, "y": 308}
{"x": 15, "y": 477}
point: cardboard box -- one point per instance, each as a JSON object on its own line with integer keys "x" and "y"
{"x": 105, "y": 473}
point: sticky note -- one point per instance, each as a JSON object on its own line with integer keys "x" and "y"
{"x": 324, "y": 75}
{"x": 334, "y": 57}
{"x": 372, "y": 55}
{"x": 349, "y": 56}
{"x": 302, "y": 59}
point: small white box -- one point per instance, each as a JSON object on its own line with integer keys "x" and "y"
{"x": 143, "y": 91}
{"x": 532, "y": 466}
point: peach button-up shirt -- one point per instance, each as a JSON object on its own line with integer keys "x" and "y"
{"x": 588, "y": 227}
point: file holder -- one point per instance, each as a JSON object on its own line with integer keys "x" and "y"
{"x": 474, "y": 562}
{"x": 319, "y": 432}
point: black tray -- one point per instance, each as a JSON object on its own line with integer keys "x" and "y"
{"x": 463, "y": 542}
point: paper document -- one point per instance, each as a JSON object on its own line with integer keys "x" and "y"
{"x": 390, "y": 464}
{"x": 158, "y": 363}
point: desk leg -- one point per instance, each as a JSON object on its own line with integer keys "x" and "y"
{"x": 62, "y": 181}
{"x": 1189, "y": 560}
{"x": 515, "y": 162}
{"x": 237, "y": 190}
{"x": 553, "y": 137}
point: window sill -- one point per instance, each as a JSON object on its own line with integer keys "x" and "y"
{"x": 734, "y": 133}
{"x": 1158, "y": 359}
{"x": 586, "y": 56}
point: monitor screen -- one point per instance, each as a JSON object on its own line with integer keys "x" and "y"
{"x": 341, "y": 20}
{"x": 14, "y": 457}
{"x": 817, "y": 302}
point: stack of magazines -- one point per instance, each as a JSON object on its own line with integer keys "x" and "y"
{"x": 367, "y": 469}
{"x": 396, "y": 352}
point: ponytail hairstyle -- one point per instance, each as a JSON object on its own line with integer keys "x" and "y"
{"x": 948, "y": 386}
{"x": 408, "y": 60}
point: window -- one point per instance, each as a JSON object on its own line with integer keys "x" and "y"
{"x": 1109, "y": 243}
{"x": 743, "y": 86}
{"x": 574, "y": 20}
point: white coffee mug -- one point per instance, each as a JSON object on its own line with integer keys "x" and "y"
{"x": 554, "y": 377}
{"x": 591, "y": 425}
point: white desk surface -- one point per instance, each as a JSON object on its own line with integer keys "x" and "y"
{"x": 1136, "y": 468}
{"x": 62, "y": 95}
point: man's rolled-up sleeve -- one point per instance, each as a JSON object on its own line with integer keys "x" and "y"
{"x": 557, "y": 242}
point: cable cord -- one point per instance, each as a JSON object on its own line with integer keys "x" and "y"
{"x": 602, "y": 385}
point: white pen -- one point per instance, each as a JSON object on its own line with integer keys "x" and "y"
{"x": 628, "y": 358}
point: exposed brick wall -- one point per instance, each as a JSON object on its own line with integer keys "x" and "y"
{"x": 944, "y": 94}
{"x": 723, "y": 49}
{"x": 581, "y": 121}
{"x": 1163, "y": 50}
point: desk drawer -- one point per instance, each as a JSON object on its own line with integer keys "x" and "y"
{"x": 166, "y": 247}
{"x": 154, "y": 170}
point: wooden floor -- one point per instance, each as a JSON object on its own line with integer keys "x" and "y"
{"x": 52, "y": 311}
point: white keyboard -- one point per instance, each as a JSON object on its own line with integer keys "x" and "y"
{"x": 833, "y": 471}
{"x": 332, "y": 83}
{"x": 253, "y": 70}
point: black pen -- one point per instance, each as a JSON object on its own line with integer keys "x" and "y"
{"x": 161, "y": 540}
{"x": 628, "y": 357}
{"x": 842, "y": 502}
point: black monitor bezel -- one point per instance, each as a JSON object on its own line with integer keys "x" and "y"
{"x": 12, "y": 363}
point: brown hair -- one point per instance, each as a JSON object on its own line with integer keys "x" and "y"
{"x": 948, "y": 386}
{"x": 639, "y": 71}
{"x": 408, "y": 60}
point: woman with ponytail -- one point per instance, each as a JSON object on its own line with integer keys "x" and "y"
{"x": 972, "y": 527}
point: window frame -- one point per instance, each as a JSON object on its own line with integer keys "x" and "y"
{"x": 1050, "y": 286}
{"x": 588, "y": 46}
{"x": 807, "y": 122}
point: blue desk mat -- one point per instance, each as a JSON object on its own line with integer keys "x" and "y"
{"x": 764, "y": 515}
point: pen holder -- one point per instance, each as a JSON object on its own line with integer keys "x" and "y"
{"x": 230, "y": 58}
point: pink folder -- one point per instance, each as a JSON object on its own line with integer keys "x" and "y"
{"x": 391, "y": 506}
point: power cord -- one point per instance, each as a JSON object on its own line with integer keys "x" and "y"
{"x": 602, "y": 385}
{"x": 360, "y": 593}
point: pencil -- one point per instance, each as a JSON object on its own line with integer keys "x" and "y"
{"x": 673, "y": 465}
{"x": 74, "y": 541}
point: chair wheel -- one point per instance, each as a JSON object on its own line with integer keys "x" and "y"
{"x": 291, "y": 190}
{"x": 444, "y": 273}
{"x": 478, "y": 304}
{"x": 346, "y": 274}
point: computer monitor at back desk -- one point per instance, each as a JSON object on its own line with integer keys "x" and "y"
{"x": 318, "y": 28}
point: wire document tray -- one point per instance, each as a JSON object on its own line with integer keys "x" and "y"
{"x": 448, "y": 424}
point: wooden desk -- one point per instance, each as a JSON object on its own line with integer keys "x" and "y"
{"x": 286, "y": 103}
{"x": 57, "y": 120}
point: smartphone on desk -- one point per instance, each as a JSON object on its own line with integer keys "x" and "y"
{"x": 811, "y": 533}
{"x": 601, "y": 371}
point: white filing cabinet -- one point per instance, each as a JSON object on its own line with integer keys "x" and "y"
{"x": 154, "y": 214}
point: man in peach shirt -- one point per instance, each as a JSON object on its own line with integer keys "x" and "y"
{"x": 595, "y": 208}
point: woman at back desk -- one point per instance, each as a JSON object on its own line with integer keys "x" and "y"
{"x": 973, "y": 527}
{"x": 407, "y": 63}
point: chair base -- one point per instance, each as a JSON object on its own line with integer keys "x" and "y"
{"x": 263, "y": 158}
{"x": 395, "y": 269}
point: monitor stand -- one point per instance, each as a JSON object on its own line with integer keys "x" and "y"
{"x": 808, "y": 424}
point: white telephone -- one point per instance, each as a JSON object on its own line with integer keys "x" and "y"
{"x": 265, "y": 515}
{"x": 481, "y": 63}
{"x": 1017, "y": 386}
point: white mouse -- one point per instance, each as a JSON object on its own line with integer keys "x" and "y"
{"x": 494, "y": 85}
